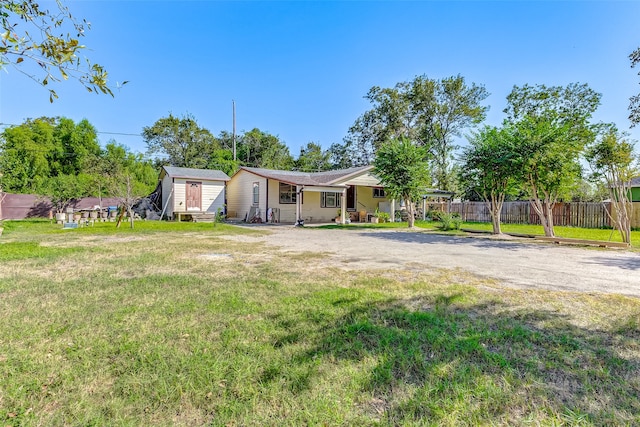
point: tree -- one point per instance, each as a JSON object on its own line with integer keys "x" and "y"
{"x": 262, "y": 150}
{"x": 63, "y": 190}
{"x": 313, "y": 159}
{"x": 339, "y": 156}
{"x": 488, "y": 169}
{"x": 180, "y": 141}
{"x": 129, "y": 177}
{"x": 427, "y": 112}
{"x": 612, "y": 160}
{"x": 39, "y": 149}
{"x": 401, "y": 167}
{"x": 551, "y": 129}
{"x": 634, "y": 104}
{"x": 33, "y": 42}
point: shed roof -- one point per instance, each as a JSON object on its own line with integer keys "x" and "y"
{"x": 635, "y": 182}
{"x": 191, "y": 173}
{"x": 327, "y": 178}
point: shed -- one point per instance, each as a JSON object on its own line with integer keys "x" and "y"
{"x": 192, "y": 193}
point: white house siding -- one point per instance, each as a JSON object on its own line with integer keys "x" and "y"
{"x": 179, "y": 195}
{"x": 287, "y": 210}
{"x": 166, "y": 193}
{"x": 240, "y": 194}
{"x": 365, "y": 180}
{"x": 212, "y": 196}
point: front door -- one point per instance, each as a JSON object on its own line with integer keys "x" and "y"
{"x": 351, "y": 198}
{"x": 194, "y": 195}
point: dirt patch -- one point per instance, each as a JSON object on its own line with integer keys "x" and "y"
{"x": 510, "y": 260}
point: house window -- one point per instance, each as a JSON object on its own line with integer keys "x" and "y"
{"x": 378, "y": 193}
{"x": 256, "y": 193}
{"x": 330, "y": 200}
{"x": 287, "y": 193}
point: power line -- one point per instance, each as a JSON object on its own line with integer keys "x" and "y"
{"x": 98, "y": 132}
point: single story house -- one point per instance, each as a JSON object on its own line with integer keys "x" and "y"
{"x": 266, "y": 195}
{"x": 189, "y": 193}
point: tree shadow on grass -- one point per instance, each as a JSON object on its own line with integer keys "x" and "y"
{"x": 437, "y": 362}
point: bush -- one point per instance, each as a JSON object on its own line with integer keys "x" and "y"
{"x": 383, "y": 216}
{"x": 449, "y": 221}
{"x": 434, "y": 215}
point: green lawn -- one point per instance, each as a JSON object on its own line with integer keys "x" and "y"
{"x": 191, "y": 324}
{"x": 569, "y": 232}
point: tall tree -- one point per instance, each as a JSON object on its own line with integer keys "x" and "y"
{"x": 488, "y": 169}
{"x": 339, "y": 156}
{"x": 313, "y": 159}
{"x": 428, "y": 112}
{"x": 262, "y": 150}
{"x": 180, "y": 142}
{"x": 551, "y": 128}
{"x": 34, "y": 43}
{"x": 404, "y": 172}
{"x": 39, "y": 149}
{"x": 613, "y": 160}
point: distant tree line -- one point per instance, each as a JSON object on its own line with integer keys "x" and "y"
{"x": 63, "y": 160}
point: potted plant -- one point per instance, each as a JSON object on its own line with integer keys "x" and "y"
{"x": 338, "y": 218}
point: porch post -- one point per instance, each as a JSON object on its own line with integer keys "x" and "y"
{"x": 298, "y": 204}
{"x": 343, "y": 205}
{"x": 393, "y": 210}
{"x": 424, "y": 208}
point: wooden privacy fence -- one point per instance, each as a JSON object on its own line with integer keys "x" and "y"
{"x": 574, "y": 214}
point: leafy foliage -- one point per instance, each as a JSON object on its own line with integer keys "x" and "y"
{"x": 488, "y": 168}
{"x": 313, "y": 159}
{"x": 33, "y": 42}
{"x": 613, "y": 161}
{"x": 634, "y": 104}
{"x": 180, "y": 142}
{"x": 551, "y": 129}
{"x": 63, "y": 160}
{"x": 425, "y": 111}
{"x": 260, "y": 149}
{"x": 403, "y": 171}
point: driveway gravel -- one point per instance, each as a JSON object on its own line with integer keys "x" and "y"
{"x": 513, "y": 262}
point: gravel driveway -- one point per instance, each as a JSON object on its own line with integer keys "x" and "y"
{"x": 515, "y": 262}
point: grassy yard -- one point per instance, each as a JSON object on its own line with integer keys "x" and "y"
{"x": 191, "y": 324}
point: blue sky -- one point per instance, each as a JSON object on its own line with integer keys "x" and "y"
{"x": 300, "y": 69}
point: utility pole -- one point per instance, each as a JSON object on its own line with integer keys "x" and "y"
{"x": 234, "y": 129}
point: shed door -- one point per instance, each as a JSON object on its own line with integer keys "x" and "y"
{"x": 194, "y": 196}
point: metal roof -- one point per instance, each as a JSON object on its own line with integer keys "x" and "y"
{"x": 210, "y": 174}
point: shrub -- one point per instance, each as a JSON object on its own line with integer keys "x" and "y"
{"x": 449, "y": 221}
{"x": 383, "y": 216}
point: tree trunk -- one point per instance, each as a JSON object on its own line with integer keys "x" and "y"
{"x": 411, "y": 212}
{"x": 495, "y": 209}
